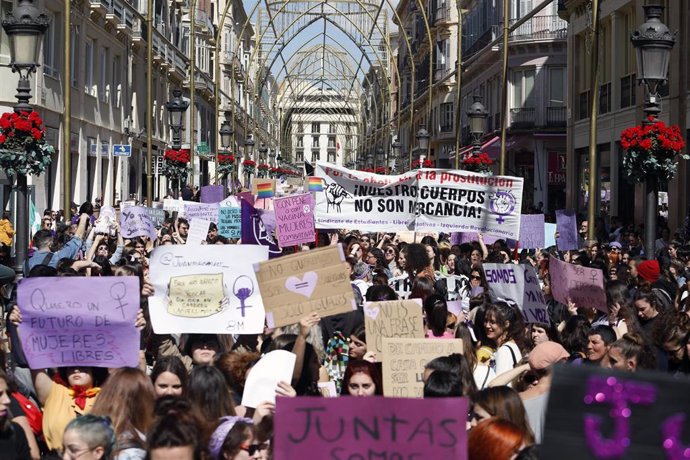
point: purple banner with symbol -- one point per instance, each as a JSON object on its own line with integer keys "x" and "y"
{"x": 294, "y": 219}
{"x": 77, "y": 321}
{"x": 254, "y": 231}
{"x": 212, "y": 193}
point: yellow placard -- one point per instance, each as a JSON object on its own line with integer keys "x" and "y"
{"x": 196, "y": 296}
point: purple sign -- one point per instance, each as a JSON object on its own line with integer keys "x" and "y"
{"x": 136, "y": 221}
{"x": 212, "y": 194}
{"x": 295, "y": 219}
{"x": 374, "y": 427}
{"x": 78, "y": 321}
{"x": 254, "y": 231}
{"x": 532, "y": 231}
{"x": 203, "y": 211}
{"x": 469, "y": 237}
{"x": 582, "y": 285}
{"x": 248, "y": 197}
{"x": 566, "y": 226}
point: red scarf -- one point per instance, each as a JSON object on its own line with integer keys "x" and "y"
{"x": 80, "y": 395}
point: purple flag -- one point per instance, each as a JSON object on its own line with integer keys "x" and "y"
{"x": 254, "y": 231}
{"x": 566, "y": 226}
{"x": 212, "y": 193}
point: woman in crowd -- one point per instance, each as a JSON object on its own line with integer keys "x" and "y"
{"x": 169, "y": 377}
{"x": 88, "y": 437}
{"x": 648, "y": 308}
{"x": 630, "y": 353}
{"x": 178, "y": 432}
{"x": 478, "y": 283}
{"x": 233, "y": 439}
{"x": 457, "y": 364}
{"x": 401, "y": 261}
{"x": 13, "y": 440}
{"x": 436, "y": 317}
{"x": 495, "y": 439}
{"x": 504, "y": 326}
{"x": 502, "y": 402}
{"x": 417, "y": 263}
{"x": 358, "y": 344}
{"x": 540, "y": 332}
{"x": 209, "y": 393}
{"x": 391, "y": 252}
{"x": 362, "y": 378}
{"x": 675, "y": 339}
{"x": 619, "y": 302}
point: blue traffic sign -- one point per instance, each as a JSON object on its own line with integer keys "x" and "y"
{"x": 122, "y": 150}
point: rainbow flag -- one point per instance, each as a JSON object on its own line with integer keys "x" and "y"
{"x": 315, "y": 184}
{"x": 264, "y": 190}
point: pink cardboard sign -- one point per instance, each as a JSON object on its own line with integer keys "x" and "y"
{"x": 374, "y": 427}
{"x": 583, "y": 285}
{"x": 294, "y": 219}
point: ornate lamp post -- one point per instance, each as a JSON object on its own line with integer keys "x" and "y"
{"x": 249, "y": 151}
{"x": 226, "y": 133}
{"x": 477, "y": 115}
{"x": 176, "y": 108}
{"x": 422, "y": 145}
{"x": 653, "y": 42}
{"x": 395, "y": 154}
{"x": 370, "y": 160}
{"x": 380, "y": 158}
{"x": 25, "y": 26}
{"x": 263, "y": 155}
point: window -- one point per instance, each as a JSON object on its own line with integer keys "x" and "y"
{"x": 116, "y": 82}
{"x": 315, "y": 128}
{"x": 331, "y": 142}
{"x": 331, "y": 128}
{"x": 315, "y": 141}
{"x": 300, "y": 142}
{"x": 315, "y": 156}
{"x": 5, "y": 7}
{"x": 523, "y": 88}
{"x": 51, "y": 45}
{"x": 74, "y": 46}
{"x": 103, "y": 86}
{"x": 299, "y": 155}
{"x": 628, "y": 90}
{"x": 331, "y": 157}
{"x": 605, "y": 98}
{"x": 88, "y": 67}
{"x": 447, "y": 117}
{"x": 556, "y": 87}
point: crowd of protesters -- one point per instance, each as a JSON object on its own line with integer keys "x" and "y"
{"x": 183, "y": 402}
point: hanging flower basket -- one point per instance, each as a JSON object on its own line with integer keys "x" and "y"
{"x": 263, "y": 170}
{"x": 249, "y": 166}
{"x": 651, "y": 151}
{"x": 478, "y": 163}
{"x": 426, "y": 164}
{"x": 175, "y": 167}
{"x": 226, "y": 163}
{"x": 380, "y": 170}
{"x": 23, "y": 148}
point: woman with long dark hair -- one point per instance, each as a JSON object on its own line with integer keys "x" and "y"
{"x": 505, "y": 326}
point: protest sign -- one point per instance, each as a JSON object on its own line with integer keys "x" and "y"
{"x": 73, "y": 321}
{"x": 595, "y": 413}
{"x": 174, "y": 205}
{"x": 198, "y": 231}
{"x": 312, "y": 281}
{"x": 180, "y": 272}
{"x": 404, "y": 361}
{"x": 401, "y": 285}
{"x": 520, "y": 284}
{"x": 328, "y": 389}
{"x": 248, "y": 197}
{"x": 255, "y": 231}
{"x": 471, "y": 237}
{"x": 394, "y": 318}
{"x": 532, "y": 231}
{"x": 295, "y": 219}
{"x": 549, "y": 235}
{"x": 230, "y": 222}
{"x": 204, "y": 211}
{"x": 566, "y": 226}
{"x": 157, "y": 215}
{"x": 370, "y": 428}
{"x": 583, "y": 285}
{"x": 135, "y": 221}
{"x": 266, "y": 186}
{"x": 212, "y": 193}
{"x": 263, "y": 377}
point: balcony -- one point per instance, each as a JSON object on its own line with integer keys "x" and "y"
{"x": 441, "y": 71}
{"x": 442, "y": 14}
{"x": 549, "y": 27}
{"x": 556, "y": 117}
{"x": 522, "y": 118}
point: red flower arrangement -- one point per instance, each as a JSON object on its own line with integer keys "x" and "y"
{"x": 22, "y": 143}
{"x": 478, "y": 163}
{"x": 425, "y": 164}
{"x": 263, "y": 169}
{"x": 277, "y": 172}
{"x": 651, "y": 150}
{"x": 175, "y": 168}
{"x": 249, "y": 166}
{"x": 179, "y": 156}
{"x": 226, "y": 163}
{"x": 380, "y": 170}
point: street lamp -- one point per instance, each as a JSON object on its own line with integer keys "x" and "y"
{"x": 395, "y": 154}
{"x": 370, "y": 160}
{"x": 226, "y": 133}
{"x": 176, "y": 108}
{"x": 380, "y": 160}
{"x": 477, "y": 115}
{"x": 24, "y": 26}
{"x": 249, "y": 147}
{"x": 653, "y": 42}
{"x": 263, "y": 151}
{"x": 422, "y": 140}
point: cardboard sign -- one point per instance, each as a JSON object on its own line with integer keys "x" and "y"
{"x": 230, "y": 222}
{"x": 203, "y": 211}
{"x": 566, "y": 226}
{"x": 532, "y": 231}
{"x": 135, "y": 221}
{"x": 404, "y": 361}
{"x": 583, "y": 285}
{"x": 597, "y": 413}
{"x": 208, "y": 289}
{"x": 264, "y": 376}
{"x": 76, "y": 321}
{"x": 370, "y": 428}
{"x": 520, "y": 284}
{"x": 212, "y": 193}
{"x": 198, "y": 231}
{"x": 294, "y": 219}
{"x": 394, "y": 318}
{"x": 173, "y": 205}
{"x": 294, "y": 286}
{"x": 433, "y": 200}
{"x": 270, "y": 182}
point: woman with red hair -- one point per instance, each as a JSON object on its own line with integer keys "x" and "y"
{"x": 362, "y": 378}
{"x": 495, "y": 439}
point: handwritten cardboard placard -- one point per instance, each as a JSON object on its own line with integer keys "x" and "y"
{"x": 566, "y": 226}
{"x": 296, "y": 285}
{"x": 532, "y": 231}
{"x": 135, "y": 221}
{"x": 212, "y": 193}
{"x": 394, "y": 318}
{"x": 520, "y": 284}
{"x": 230, "y": 305}
{"x": 370, "y": 428}
{"x": 597, "y": 413}
{"x": 404, "y": 361}
{"x": 76, "y": 321}
{"x": 204, "y": 211}
{"x": 583, "y": 285}
{"x": 157, "y": 215}
{"x": 174, "y": 205}
{"x": 230, "y": 222}
{"x": 198, "y": 231}
{"x": 294, "y": 219}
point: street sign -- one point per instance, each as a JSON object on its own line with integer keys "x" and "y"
{"x": 122, "y": 150}
{"x": 202, "y": 148}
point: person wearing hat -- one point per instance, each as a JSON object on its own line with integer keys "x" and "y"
{"x": 536, "y": 396}
{"x": 649, "y": 271}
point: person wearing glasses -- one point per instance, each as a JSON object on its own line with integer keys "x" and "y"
{"x": 88, "y": 437}
{"x": 390, "y": 253}
{"x": 233, "y": 439}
